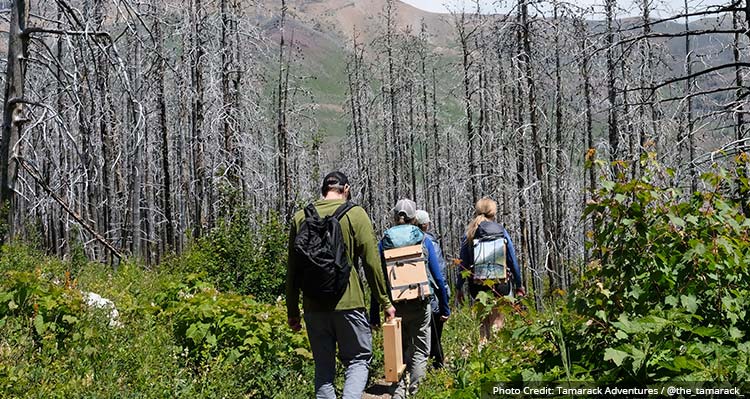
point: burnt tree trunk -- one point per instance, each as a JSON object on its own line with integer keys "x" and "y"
{"x": 13, "y": 117}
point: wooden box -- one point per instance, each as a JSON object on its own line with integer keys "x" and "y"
{"x": 407, "y": 274}
{"x": 393, "y": 356}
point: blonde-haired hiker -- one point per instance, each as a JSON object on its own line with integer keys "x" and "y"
{"x": 488, "y": 253}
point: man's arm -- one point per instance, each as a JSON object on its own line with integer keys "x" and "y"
{"x": 292, "y": 291}
{"x": 442, "y": 266}
{"x": 367, "y": 247}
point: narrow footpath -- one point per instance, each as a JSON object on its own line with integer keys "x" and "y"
{"x": 377, "y": 390}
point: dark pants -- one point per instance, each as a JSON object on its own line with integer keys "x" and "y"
{"x": 436, "y": 346}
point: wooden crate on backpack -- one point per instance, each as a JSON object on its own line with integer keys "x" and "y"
{"x": 407, "y": 273}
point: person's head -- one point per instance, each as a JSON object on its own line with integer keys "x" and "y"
{"x": 484, "y": 210}
{"x": 422, "y": 219}
{"x": 336, "y": 186}
{"x": 405, "y": 211}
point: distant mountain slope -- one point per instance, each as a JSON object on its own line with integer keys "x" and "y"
{"x": 323, "y": 30}
{"x": 344, "y": 16}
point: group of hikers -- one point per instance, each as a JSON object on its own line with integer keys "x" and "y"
{"x": 326, "y": 239}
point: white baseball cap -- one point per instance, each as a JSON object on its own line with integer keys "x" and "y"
{"x": 422, "y": 217}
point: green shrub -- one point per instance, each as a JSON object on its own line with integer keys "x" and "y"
{"x": 53, "y": 346}
{"x": 236, "y": 257}
{"x": 513, "y": 354}
{"x": 50, "y": 312}
{"x": 667, "y": 300}
{"x": 670, "y": 295}
{"x": 226, "y": 330}
{"x": 17, "y": 256}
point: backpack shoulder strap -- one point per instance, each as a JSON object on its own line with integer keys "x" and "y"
{"x": 343, "y": 209}
{"x": 310, "y": 211}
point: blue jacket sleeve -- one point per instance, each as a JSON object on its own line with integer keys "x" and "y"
{"x": 434, "y": 266}
{"x": 441, "y": 264}
{"x": 513, "y": 260}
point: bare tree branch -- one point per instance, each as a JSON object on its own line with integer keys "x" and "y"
{"x": 699, "y": 73}
{"x": 32, "y": 172}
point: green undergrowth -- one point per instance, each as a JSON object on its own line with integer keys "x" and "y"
{"x": 665, "y": 300}
{"x": 175, "y": 336}
{"x": 236, "y": 256}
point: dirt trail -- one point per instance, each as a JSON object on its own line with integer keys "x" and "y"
{"x": 377, "y": 390}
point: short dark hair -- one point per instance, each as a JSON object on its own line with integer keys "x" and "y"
{"x": 334, "y": 181}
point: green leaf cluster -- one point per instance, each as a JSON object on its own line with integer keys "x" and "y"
{"x": 668, "y": 296}
{"x": 665, "y": 298}
{"x": 49, "y": 311}
{"x": 179, "y": 336}
{"x": 226, "y": 328}
{"x": 241, "y": 255}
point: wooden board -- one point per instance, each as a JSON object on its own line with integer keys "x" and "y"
{"x": 393, "y": 356}
{"x": 406, "y": 267}
{"x": 403, "y": 252}
{"x": 406, "y": 274}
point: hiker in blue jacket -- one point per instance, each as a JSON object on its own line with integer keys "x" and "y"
{"x": 415, "y": 313}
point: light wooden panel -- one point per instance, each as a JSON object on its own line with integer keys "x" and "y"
{"x": 393, "y": 356}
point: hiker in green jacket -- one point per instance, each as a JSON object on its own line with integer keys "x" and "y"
{"x": 339, "y": 320}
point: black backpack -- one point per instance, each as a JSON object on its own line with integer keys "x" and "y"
{"x": 321, "y": 253}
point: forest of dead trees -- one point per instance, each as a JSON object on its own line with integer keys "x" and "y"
{"x": 133, "y": 127}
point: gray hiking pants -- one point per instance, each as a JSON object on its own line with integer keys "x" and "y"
{"x": 350, "y": 329}
{"x": 415, "y": 336}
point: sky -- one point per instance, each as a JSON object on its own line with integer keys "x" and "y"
{"x": 627, "y": 7}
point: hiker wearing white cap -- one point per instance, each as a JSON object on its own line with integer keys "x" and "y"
{"x": 415, "y": 313}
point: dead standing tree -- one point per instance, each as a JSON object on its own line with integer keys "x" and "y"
{"x": 197, "y": 60}
{"x": 711, "y": 73}
{"x": 395, "y": 127}
{"x": 15, "y": 96}
{"x": 612, "y": 118}
{"x": 466, "y": 30}
{"x": 13, "y": 112}
{"x": 283, "y": 173}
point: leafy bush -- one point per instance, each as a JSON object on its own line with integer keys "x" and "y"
{"x": 670, "y": 295}
{"x": 53, "y": 346}
{"x": 512, "y": 355}
{"x": 49, "y": 311}
{"x": 667, "y": 299}
{"x": 237, "y": 257}
{"x": 226, "y": 329}
{"x": 20, "y": 257}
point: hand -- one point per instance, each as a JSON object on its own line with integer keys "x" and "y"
{"x": 295, "y": 323}
{"x": 520, "y": 292}
{"x": 444, "y": 318}
{"x": 390, "y": 313}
